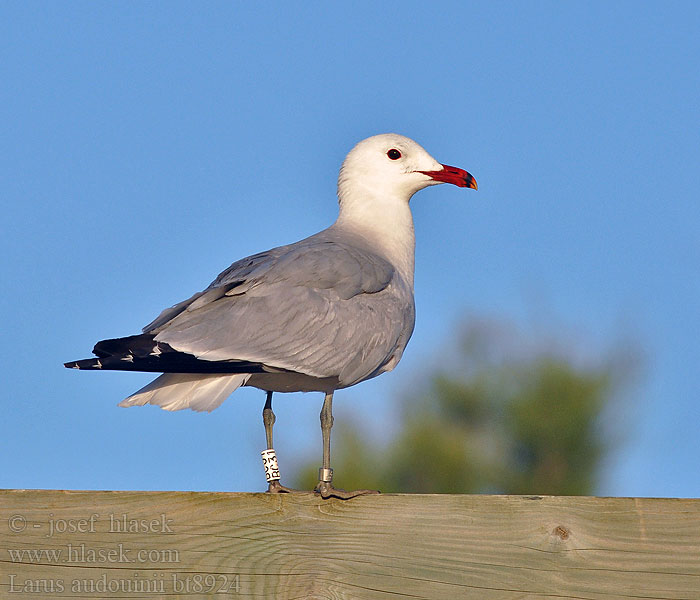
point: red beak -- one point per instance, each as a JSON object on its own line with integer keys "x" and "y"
{"x": 452, "y": 175}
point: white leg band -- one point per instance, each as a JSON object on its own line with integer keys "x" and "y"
{"x": 272, "y": 470}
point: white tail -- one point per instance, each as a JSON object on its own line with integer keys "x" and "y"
{"x": 175, "y": 391}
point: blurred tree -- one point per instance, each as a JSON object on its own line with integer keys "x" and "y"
{"x": 508, "y": 418}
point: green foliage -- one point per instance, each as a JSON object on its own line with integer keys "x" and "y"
{"x": 506, "y": 419}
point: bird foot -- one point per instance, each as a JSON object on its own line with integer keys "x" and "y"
{"x": 275, "y": 487}
{"x": 326, "y": 489}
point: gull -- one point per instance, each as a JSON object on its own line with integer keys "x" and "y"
{"x": 319, "y": 315}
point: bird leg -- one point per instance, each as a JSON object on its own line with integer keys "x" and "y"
{"x": 325, "y": 473}
{"x": 272, "y": 472}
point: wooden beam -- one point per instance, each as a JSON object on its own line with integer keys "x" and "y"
{"x": 99, "y": 544}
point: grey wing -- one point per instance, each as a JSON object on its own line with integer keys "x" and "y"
{"x": 318, "y": 307}
{"x": 232, "y": 277}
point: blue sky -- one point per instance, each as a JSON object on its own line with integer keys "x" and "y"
{"x": 148, "y": 145}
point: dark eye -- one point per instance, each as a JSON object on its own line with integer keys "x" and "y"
{"x": 394, "y": 154}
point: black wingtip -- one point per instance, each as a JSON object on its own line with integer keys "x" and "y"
{"x": 167, "y": 362}
{"x": 87, "y": 363}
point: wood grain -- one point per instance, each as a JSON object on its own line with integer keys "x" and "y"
{"x": 73, "y": 544}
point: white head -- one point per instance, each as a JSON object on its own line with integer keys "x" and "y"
{"x": 376, "y": 181}
{"x": 391, "y": 165}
